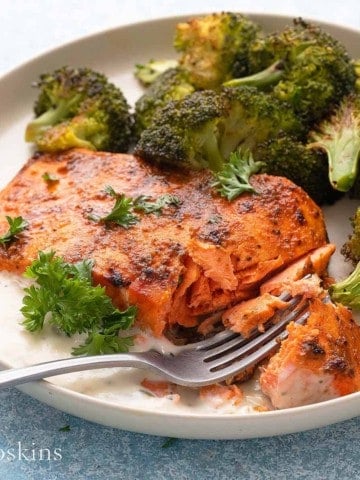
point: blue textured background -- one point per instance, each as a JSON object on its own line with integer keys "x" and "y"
{"x": 90, "y": 451}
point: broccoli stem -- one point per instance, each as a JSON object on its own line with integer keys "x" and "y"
{"x": 263, "y": 79}
{"x": 211, "y": 149}
{"x": 340, "y": 139}
{"x": 343, "y": 157}
{"x": 50, "y": 118}
{"x": 347, "y": 291}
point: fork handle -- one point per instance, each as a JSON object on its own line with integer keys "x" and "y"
{"x": 18, "y": 376}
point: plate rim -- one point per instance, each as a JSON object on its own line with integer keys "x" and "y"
{"x": 50, "y": 393}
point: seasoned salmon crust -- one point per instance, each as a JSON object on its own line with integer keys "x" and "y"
{"x": 194, "y": 258}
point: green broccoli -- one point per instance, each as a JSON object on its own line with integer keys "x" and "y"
{"x": 202, "y": 129}
{"x": 170, "y": 85}
{"x": 148, "y": 72}
{"x": 339, "y": 137}
{"x": 318, "y": 71}
{"x": 78, "y": 107}
{"x": 288, "y": 157}
{"x": 356, "y": 65}
{"x": 214, "y": 48}
{"x": 351, "y": 248}
{"x": 347, "y": 291}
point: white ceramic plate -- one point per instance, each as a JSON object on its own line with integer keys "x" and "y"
{"x": 115, "y": 53}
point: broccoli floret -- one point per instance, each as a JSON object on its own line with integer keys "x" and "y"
{"x": 287, "y": 157}
{"x": 351, "y": 248}
{"x": 202, "y": 129}
{"x": 339, "y": 137}
{"x": 318, "y": 71}
{"x": 78, "y": 107}
{"x": 148, "y": 72}
{"x": 170, "y": 85}
{"x": 347, "y": 291}
{"x": 215, "y": 47}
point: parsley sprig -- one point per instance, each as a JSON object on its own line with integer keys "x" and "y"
{"x": 64, "y": 296}
{"x": 234, "y": 178}
{"x": 16, "y": 226}
{"x": 144, "y": 204}
{"x": 123, "y": 211}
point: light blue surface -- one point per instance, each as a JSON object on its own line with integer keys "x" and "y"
{"x": 89, "y": 451}
{"x": 94, "y": 452}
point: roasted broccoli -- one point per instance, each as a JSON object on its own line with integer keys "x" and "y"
{"x": 339, "y": 137}
{"x": 170, "y": 85}
{"x": 318, "y": 71}
{"x": 288, "y": 157}
{"x": 148, "y": 72}
{"x": 203, "y": 128}
{"x": 351, "y": 248}
{"x": 347, "y": 291}
{"x": 78, "y": 107}
{"x": 214, "y": 48}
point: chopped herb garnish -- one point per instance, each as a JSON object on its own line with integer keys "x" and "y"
{"x": 98, "y": 343}
{"x": 144, "y": 204}
{"x": 16, "y": 226}
{"x": 50, "y": 177}
{"x": 123, "y": 211}
{"x": 169, "y": 442}
{"x": 233, "y": 179}
{"x": 65, "y": 428}
{"x": 64, "y": 296}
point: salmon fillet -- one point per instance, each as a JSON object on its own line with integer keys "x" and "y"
{"x": 195, "y": 258}
{"x": 318, "y": 361}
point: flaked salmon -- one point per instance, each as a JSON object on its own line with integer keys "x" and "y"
{"x": 318, "y": 361}
{"x": 303, "y": 278}
{"x": 199, "y": 256}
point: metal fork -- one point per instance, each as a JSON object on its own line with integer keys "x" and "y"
{"x": 202, "y": 363}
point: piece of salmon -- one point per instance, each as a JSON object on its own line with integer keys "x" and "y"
{"x": 318, "y": 361}
{"x": 192, "y": 259}
{"x": 302, "y": 277}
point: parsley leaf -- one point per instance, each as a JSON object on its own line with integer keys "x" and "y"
{"x": 64, "y": 296}
{"x": 121, "y": 213}
{"x": 65, "y": 428}
{"x": 98, "y": 343}
{"x": 16, "y": 225}
{"x": 233, "y": 179}
{"x": 50, "y": 177}
{"x": 144, "y": 204}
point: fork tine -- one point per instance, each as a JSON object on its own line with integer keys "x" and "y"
{"x": 237, "y": 341}
{"x": 227, "y": 335}
{"x": 225, "y": 354}
{"x": 214, "y": 341}
{"x": 223, "y": 371}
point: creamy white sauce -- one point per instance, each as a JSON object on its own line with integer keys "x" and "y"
{"x": 123, "y": 385}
